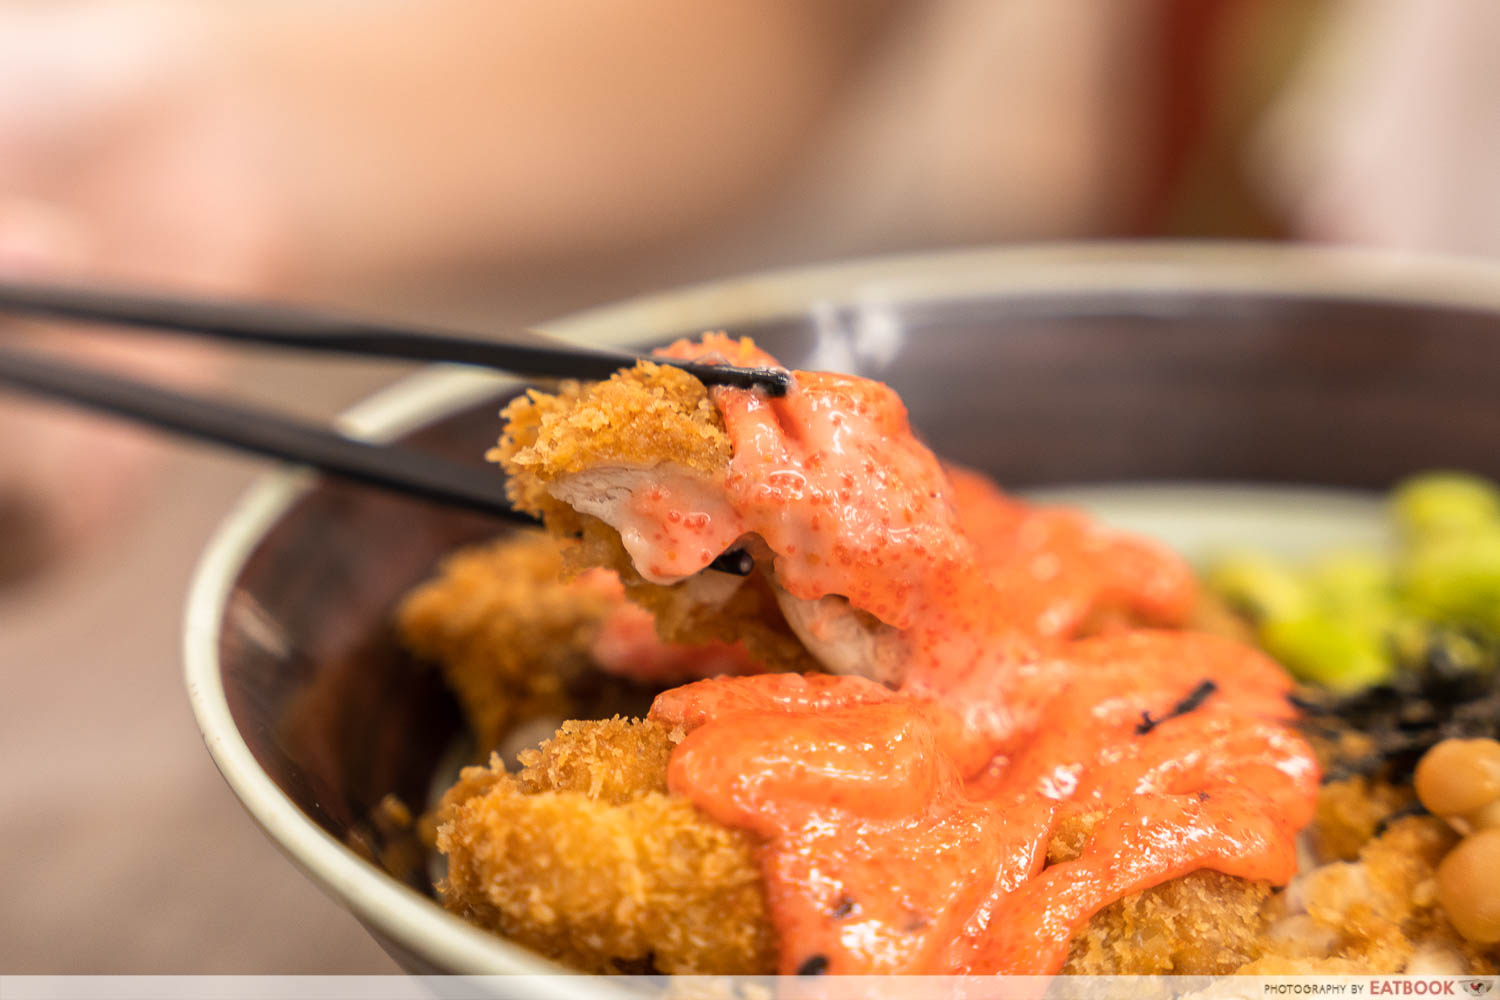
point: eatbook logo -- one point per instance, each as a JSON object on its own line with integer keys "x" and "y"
{"x": 1412, "y": 986}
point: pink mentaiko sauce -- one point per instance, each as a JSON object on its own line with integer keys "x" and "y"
{"x": 906, "y": 829}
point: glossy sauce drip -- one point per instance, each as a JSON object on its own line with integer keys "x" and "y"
{"x": 907, "y": 830}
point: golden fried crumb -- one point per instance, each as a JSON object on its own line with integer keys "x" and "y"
{"x": 508, "y": 632}
{"x": 1204, "y": 923}
{"x": 584, "y": 858}
{"x": 1349, "y": 812}
{"x": 1071, "y": 835}
{"x": 393, "y": 814}
{"x": 612, "y": 760}
{"x": 644, "y": 416}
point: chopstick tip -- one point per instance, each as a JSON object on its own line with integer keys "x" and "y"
{"x": 773, "y": 381}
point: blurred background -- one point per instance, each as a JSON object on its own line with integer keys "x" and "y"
{"x": 491, "y": 165}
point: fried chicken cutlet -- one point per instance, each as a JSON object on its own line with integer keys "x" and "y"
{"x": 584, "y": 856}
{"x": 966, "y": 608}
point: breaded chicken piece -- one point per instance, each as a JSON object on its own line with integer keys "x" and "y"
{"x": 509, "y": 633}
{"x": 585, "y": 858}
{"x": 642, "y": 418}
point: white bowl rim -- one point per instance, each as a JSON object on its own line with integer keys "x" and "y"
{"x": 444, "y": 940}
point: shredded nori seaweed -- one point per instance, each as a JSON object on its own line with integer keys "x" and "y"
{"x": 1439, "y": 698}
{"x": 1194, "y": 699}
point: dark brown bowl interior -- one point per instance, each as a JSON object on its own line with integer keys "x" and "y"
{"x": 1035, "y": 390}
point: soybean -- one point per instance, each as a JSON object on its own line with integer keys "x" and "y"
{"x": 1469, "y": 887}
{"x": 1459, "y": 777}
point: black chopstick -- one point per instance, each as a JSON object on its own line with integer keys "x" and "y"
{"x": 260, "y": 432}
{"x": 523, "y": 352}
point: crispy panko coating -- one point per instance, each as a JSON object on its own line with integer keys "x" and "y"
{"x": 647, "y": 415}
{"x": 1204, "y": 924}
{"x": 1350, "y": 812}
{"x": 509, "y": 633}
{"x": 585, "y": 858}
